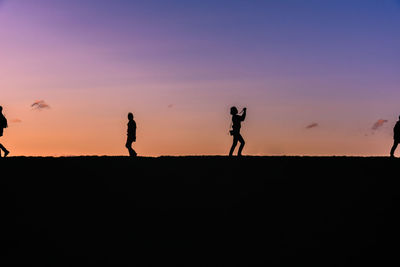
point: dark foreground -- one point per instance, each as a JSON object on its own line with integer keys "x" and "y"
{"x": 207, "y": 210}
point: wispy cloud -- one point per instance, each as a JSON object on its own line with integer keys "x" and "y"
{"x": 16, "y": 121}
{"x": 170, "y": 105}
{"x": 378, "y": 124}
{"x": 40, "y": 105}
{"x": 312, "y": 125}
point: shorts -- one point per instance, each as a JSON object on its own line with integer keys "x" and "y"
{"x": 131, "y": 139}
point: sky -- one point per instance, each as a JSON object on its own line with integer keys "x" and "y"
{"x": 315, "y": 76}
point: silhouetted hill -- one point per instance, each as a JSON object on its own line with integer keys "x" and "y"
{"x": 293, "y": 211}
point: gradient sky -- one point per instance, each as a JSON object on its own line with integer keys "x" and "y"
{"x": 179, "y": 65}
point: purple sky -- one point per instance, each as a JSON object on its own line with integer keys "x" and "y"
{"x": 292, "y": 63}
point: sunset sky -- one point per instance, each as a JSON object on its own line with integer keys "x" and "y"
{"x": 314, "y": 75}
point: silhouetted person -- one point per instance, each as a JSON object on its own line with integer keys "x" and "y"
{"x": 3, "y": 124}
{"x": 235, "y": 132}
{"x": 396, "y": 137}
{"x": 131, "y": 135}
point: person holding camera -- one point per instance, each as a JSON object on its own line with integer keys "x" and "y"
{"x": 235, "y": 132}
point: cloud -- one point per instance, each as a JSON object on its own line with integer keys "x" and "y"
{"x": 170, "y": 105}
{"x": 312, "y": 125}
{"x": 16, "y": 121}
{"x": 40, "y": 105}
{"x": 378, "y": 124}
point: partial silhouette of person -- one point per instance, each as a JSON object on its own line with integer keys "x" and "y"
{"x": 396, "y": 138}
{"x": 3, "y": 125}
{"x": 131, "y": 135}
{"x": 235, "y": 132}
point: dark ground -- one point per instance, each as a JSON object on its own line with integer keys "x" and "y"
{"x": 290, "y": 211}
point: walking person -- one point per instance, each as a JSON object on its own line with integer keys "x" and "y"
{"x": 131, "y": 135}
{"x": 235, "y": 132}
{"x": 396, "y": 137}
{"x": 3, "y": 125}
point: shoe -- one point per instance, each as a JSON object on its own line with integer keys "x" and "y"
{"x": 6, "y": 153}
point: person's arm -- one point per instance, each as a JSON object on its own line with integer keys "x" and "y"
{"x": 3, "y": 121}
{"x": 134, "y": 131}
{"x": 243, "y": 115}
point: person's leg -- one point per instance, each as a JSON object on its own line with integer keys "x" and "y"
{"x": 241, "y": 140}
{"x": 6, "y": 152}
{"x": 132, "y": 152}
{"x": 235, "y": 140}
{"x": 395, "y": 143}
{"x": 128, "y": 145}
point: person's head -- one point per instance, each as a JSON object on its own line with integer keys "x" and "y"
{"x": 399, "y": 116}
{"x": 130, "y": 116}
{"x": 234, "y": 111}
{"x": 1, "y": 109}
